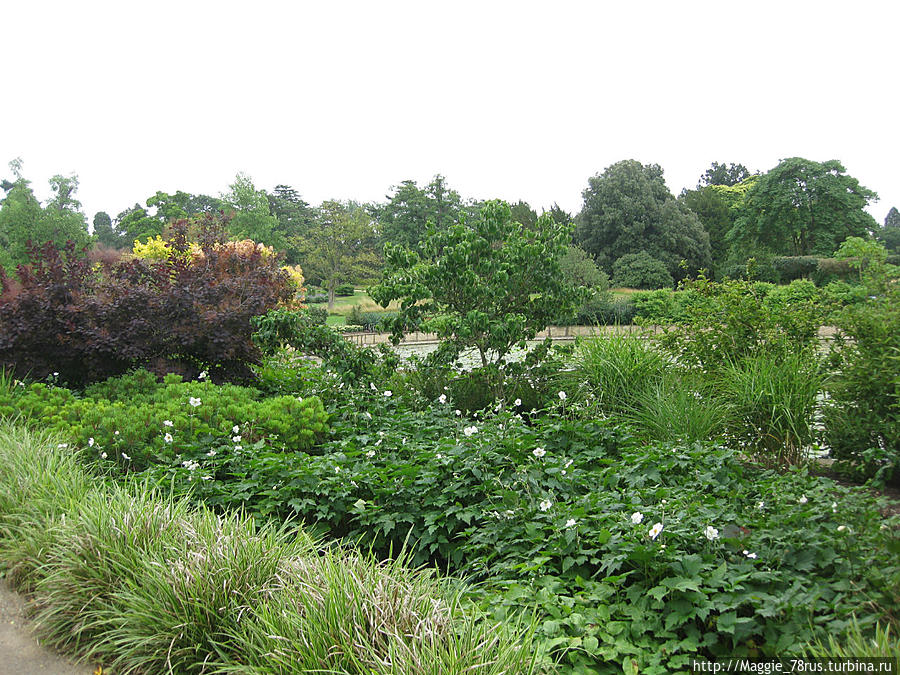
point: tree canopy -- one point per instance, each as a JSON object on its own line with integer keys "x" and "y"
{"x": 801, "y": 208}
{"x": 409, "y": 210}
{"x": 628, "y": 209}
{"x": 721, "y": 174}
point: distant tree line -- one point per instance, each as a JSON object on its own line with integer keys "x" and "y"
{"x": 631, "y": 230}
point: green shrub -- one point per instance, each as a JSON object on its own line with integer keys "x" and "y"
{"x": 862, "y": 418}
{"x": 641, "y": 270}
{"x": 371, "y": 321}
{"x": 344, "y": 290}
{"x": 606, "y": 311}
{"x": 124, "y": 419}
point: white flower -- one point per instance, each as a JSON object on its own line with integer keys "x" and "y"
{"x": 545, "y": 505}
{"x": 760, "y": 505}
{"x": 442, "y": 398}
{"x": 116, "y": 433}
{"x": 843, "y": 528}
{"x": 55, "y": 374}
{"x": 388, "y": 393}
{"x": 360, "y": 503}
{"x": 168, "y": 423}
{"x": 711, "y": 532}
{"x": 569, "y": 463}
{"x": 372, "y": 386}
{"x": 190, "y": 465}
{"x": 194, "y": 401}
{"x": 238, "y": 448}
{"x": 370, "y": 453}
{"x": 211, "y": 453}
{"x": 103, "y": 455}
{"x": 747, "y": 553}
{"x": 368, "y": 414}
{"x": 167, "y": 438}
{"x": 457, "y": 412}
{"x": 570, "y": 522}
{"x": 468, "y": 431}
{"x": 235, "y": 429}
{"x": 664, "y": 502}
{"x": 90, "y": 442}
{"x": 562, "y": 396}
{"x": 655, "y": 530}
{"x": 439, "y": 456}
{"x": 637, "y": 517}
{"x": 337, "y": 469}
{"x": 803, "y": 499}
{"x": 63, "y": 445}
{"x": 834, "y": 507}
{"x": 202, "y": 376}
{"x": 517, "y": 402}
{"x": 235, "y": 439}
{"x": 538, "y": 452}
{"x": 124, "y": 456}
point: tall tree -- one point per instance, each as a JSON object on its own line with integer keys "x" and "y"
{"x": 889, "y": 235}
{"x": 105, "y": 234}
{"x": 341, "y": 246}
{"x": 717, "y": 207}
{"x": 721, "y": 174}
{"x": 800, "y": 208}
{"x": 252, "y": 217}
{"x": 521, "y": 212}
{"x": 406, "y": 216}
{"x": 628, "y": 209}
{"x": 295, "y": 218}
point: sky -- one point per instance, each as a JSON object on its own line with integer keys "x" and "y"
{"x": 512, "y": 100}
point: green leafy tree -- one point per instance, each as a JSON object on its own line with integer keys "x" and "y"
{"x": 105, "y": 234}
{"x": 579, "y": 269}
{"x": 889, "y": 235}
{"x": 488, "y": 284}
{"x": 137, "y": 224}
{"x": 22, "y": 219}
{"x": 721, "y": 174}
{"x": 521, "y": 212}
{"x": 405, "y": 218}
{"x": 252, "y": 217}
{"x": 340, "y": 247}
{"x": 801, "y": 208}
{"x": 559, "y": 215}
{"x": 717, "y": 207}
{"x": 295, "y": 219}
{"x": 628, "y": 209}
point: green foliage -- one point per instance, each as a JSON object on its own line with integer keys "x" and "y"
{"x": 889, "y": 235}
{"x": 641, "y": 270}
{"x": 862, "y": 421}
{"x": 604, "y": 310}
{"x": 721, "y": 174}
{"x": 857, "y": 643}
{"x": 145, "y": 583}
{"x": 489, "y": 285}
{"x": 372, "y": 321}
{"x": 628, "y": 209}
{"x": 410, "y": 210}
{"x": 802, "y": 208}
{"x": 125, "y": 417}
{"x": 579, "y": 269}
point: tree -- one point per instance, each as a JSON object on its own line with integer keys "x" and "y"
{"x": 341, "y": 246}
{"x": 295, "y": 219}
{"x": 559, "y": 215}
{"x": 579, "y": 269}
{"x": 641, "y": 270}
{"x": 105, "y": 234}
{"x": 487, "y": 284}
{"x": 717, "y": 207}
{"x": 889, "y": 235}
{"x": 521, "y": 212}
{"x": 629, "y": 209}
{"x": 252, "y": 218}
{"x": 22, "y": 219}
{"x": 801, "y": 208}
{"x": 409, "y": 210}
{"x": 720, "y": 174}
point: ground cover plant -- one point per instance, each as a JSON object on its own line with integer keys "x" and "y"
{"x": 144, "y": 583}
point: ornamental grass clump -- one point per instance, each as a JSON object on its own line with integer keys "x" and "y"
{"x": 144, "y": 583}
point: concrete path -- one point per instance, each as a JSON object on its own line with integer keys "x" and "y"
{"x": 20, "y": 652}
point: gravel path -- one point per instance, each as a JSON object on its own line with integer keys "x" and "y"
{"x": 20, "y": 652}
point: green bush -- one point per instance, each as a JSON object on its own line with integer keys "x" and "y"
{"x": 371, "y": 321}
{"x": 125, "y": 419}
{"x": 344, "y": 290}
{"x": 606, "y": 311}
{"x": 641, "y": 270}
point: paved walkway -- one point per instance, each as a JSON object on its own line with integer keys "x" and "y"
{"x": 20, "y": 652}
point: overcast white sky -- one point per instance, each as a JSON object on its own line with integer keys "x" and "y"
{"x": 518, "y": 100}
